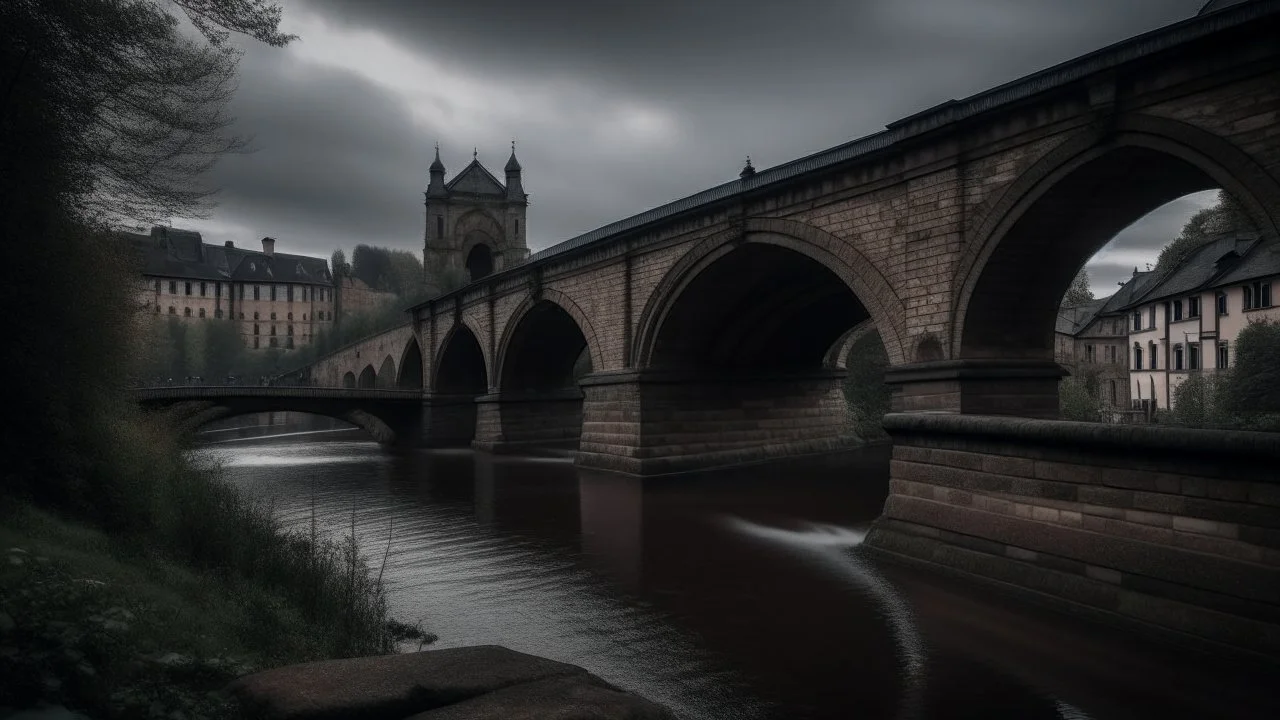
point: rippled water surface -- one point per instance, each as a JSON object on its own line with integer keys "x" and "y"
{"x": 733, "y": 594}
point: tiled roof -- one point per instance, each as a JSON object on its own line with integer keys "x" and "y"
{"x": 182, "y": 254}
{"x": 1262, "y": 260}
{"x": 475, "y": 179}
{"x": 1133, "y": 288}
{"x": 1072, "y": 320}
{"x": 1204, "y": 268}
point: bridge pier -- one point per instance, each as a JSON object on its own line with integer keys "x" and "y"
{"x": 448, "y": 420}
{"x": 512, "y": 420}
{"x": 1173, "y": 528}
{"x": 653, "y": 423}
{"x": 997, "y": 386}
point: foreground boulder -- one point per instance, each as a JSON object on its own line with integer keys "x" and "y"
{"x": 486, "y": 681}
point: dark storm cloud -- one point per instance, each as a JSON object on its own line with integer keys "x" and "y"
{"x": 618, "y": 107}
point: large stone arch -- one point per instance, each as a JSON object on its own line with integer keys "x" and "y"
{"x": 411, "y": 376}
{"x": 560, "y": 300}
{"x": 368, "y": 378}
{"x": 189, "y": 417}
{"x": 862, "y": 278}
{"x": 349, "y": 379}
{"x": 461, "y": 323}
{"x": 1218, "y": 162}
{"x": 838, "y": 355}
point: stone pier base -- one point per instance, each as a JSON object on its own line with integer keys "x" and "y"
{"x": 1164, "y": 528}
{"x": 647, "y": 423}
{"x": 448, "y": 420}
{"x": 509, "y": 421}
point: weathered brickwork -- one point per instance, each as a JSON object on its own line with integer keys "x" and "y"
{"x": 1191, "y": 542}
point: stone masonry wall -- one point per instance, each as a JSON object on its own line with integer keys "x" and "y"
{"x": 1179, "y": 529}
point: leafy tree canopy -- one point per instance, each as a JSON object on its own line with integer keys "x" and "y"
{"x": 1226, "y": 216}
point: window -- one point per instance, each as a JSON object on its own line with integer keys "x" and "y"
{"x": 1193, "y": 307}
{"x": 1177, "y": 310}
{"x": 1113, "y": 393}
{"x": 1108, "y": 353}
{"x": 186, "y": 312}
{"x": 201, "y": 312}
{"x": 217, "y": 290}
{"x": 241, "y": 315}
{"x": 273, "y": 293}
{"x": 273, "y": 329}
{"x": 273, "y": 341}
{"x": 1088, "y": 354}
{"x": 202, "y": 289}
{"x": 1151, "y": 317}
{"x": 289, "y": 292}
{"x": 1193, "y": 356}
{"x": 439, "y": 227}
{"x": 173, "y": 287}
{"x": 157, "y": 309}
{"x": 288, "y": 342}
{"x": 1177, "y": 357}
{"x": 157, "y": 287}
{"x": 517, "y": 227}
{"x": 255, "y": 330}
{"x": 188, "y": 288}
{"x": 290, "y": 317}
{"x": 257, "y": 292}
{"x": 241, "y": 291}
{"x": 1257, "y": 296}
{"x": 273, "y": 316}
{"x": 1222, "y": 356}
{"x": 1151, "y": 350}
{"x": 290, "y": 329}
{"x": 1222, "y": 303}
{"x": 1137, "y": 356}
{"x": 304, "y": 317}
{"x": 172, "y": 311}
{"x": 255, "y": 315}
{"x": 1137, "y": 320}
{"x": 255, "y": 342}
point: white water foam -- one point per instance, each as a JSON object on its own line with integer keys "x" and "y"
{"x": 831, "y": 543}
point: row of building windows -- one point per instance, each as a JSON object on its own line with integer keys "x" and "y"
{"x": 323, "y": 315}
{"x": 1256, "y": 296}
{"x": 304, "y": 293}
{"x": 273, "y": 329}
{"x": 1191, "y": 355}
{"x": 288, "y": 342}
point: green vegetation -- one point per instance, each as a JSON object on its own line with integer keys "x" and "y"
{"x": 110, "y": 111}
{"x": 1080, "y": 395}
{"x": 1079, "y": 293}
{"x": 864, "y": 388}
{"x": 1245, "y": 396}
{"x": 1226, "y": 216}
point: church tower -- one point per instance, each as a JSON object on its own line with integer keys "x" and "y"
{"x": 475, "y": 224}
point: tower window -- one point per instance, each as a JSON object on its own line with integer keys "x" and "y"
{"x": 439, "y": 227}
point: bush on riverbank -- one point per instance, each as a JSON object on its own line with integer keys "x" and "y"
{"x": 865, "y": 391}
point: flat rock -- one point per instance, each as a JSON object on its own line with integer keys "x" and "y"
{"x": 389, "y": 686}
{"x": 572, "y": 697}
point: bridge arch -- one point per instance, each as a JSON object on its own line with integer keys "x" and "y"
{"x": 1032, "y": 241}
{"x": 387, "y": 420}
{"x": 386, "y": 373}
{"x": 459, "y": 376}
{"x": 410, "y": 377}
{"x": 857, "y": 273}
{"x": 368, "y": 378}
{"x": 349, "y": 379}
{"x": 539, "y": 309}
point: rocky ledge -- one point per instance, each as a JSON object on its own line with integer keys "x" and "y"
{"x": 487, "y": 681}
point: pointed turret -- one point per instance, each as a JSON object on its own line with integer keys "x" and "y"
{"x": 515, "y": 191}
{"x": 435, "y": 188}
{"x": 747, "y": 171}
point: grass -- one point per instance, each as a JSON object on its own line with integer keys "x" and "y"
{"x": 156, "y": 608}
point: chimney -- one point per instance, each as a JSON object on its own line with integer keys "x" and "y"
{"x": 229, "y": 244}
{"x": 268, "y": 246}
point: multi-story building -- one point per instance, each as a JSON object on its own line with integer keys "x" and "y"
{"x": 1094, "y": 337}
{"x": 277, "y": 300}
{"x": 1188, "y": 321}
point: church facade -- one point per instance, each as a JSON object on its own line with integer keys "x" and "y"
{"x": 475, "y": 224}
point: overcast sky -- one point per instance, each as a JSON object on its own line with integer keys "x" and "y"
{"x": 615, "y": 107}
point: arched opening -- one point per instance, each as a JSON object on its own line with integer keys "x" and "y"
{"x": 479, "y": 262}
{"x": 460, "y": 377}
{"x": 741, "y": 358}
{"x": 368, "y": 378}
{"x": 1012, "y": 307}
{"x": 231, "y": 425}
{"x": 410, "y": 367}
{"x": 387, "y": 373}
{"x": 544, "y": 356}
{"x": 349, "y": 380}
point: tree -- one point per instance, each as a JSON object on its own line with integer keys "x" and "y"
{"x": 865, "y": 391}
{"x": 1079, "y": 292}
{"x": 1226, "y": 216}
{"x": 1253, "y": 387}
{"x": 1080, "y": 396}
{"x": 338, "y": 262}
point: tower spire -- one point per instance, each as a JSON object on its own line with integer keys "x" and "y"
{"x": 748, "y": 170}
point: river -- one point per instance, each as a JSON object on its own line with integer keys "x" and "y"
{"x": 730, "y": 594}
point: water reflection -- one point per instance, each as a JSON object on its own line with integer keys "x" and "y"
{"x": 732, "y": 594}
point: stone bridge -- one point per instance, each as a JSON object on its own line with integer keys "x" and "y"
{"x": 391, "y": 417}
{"x": 708, "y": 331}
{"x": 389, "y": 359}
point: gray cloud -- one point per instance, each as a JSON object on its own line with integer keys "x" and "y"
{"x": 617, "y": 107}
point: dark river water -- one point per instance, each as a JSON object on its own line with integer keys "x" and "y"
{"x": 728, "y": 594}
